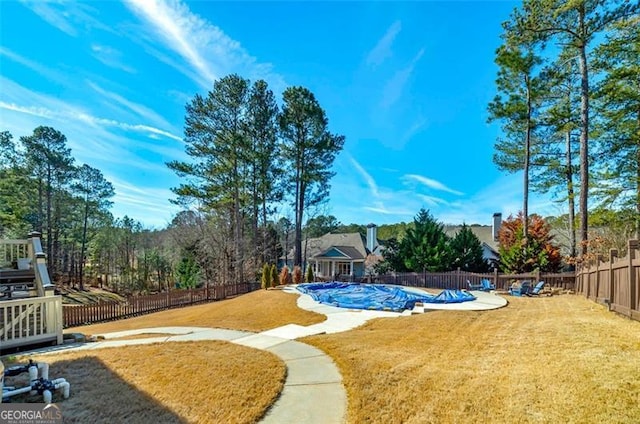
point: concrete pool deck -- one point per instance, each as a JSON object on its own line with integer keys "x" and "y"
{"x": 313, "y": 392}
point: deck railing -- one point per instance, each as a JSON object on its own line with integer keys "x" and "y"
{"x": 29, "y": 321}
{"x": 34, "y": 319}
{"x": 12, "y": 250}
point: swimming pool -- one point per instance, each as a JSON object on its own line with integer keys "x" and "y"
{"x": 377, "y": 296}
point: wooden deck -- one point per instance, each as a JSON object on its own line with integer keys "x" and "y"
{"x": 30, "y": 321}
{"x": 29, "y": 311}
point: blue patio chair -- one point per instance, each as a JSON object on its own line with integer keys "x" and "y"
{"x": 537, "y": 289}
{"x": 474, "y": 286}
{"x": 487, "y": 285}
{"x": 522, "y": 290}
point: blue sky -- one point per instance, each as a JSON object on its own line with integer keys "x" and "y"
{"x": 407, "y": 83}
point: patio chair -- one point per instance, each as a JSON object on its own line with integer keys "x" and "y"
{"x": 522, "y": 290}
{"x": 474, "y": 286}
{"x": 487, "y": 285}
{"x": 537, "y": 289}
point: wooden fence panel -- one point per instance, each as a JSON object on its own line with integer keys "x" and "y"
{"x": 459, "y": 279}
{"x": 75, "y": 315}
{"x": 615, "y": 282}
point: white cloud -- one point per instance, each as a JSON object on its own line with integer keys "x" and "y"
{"x": 367, "y": 177}
{"x": 204, "y": 46}
{"x": 74, "y": 114}
{"x": 382, "y": 50}
{"x": 432, "y": 200}
{"x": 146, "y": 204}
{"x": 414, "y": 129}
{"x": 48, "y": 73}
{"x": 110, "y": 57}
{"x": 102, "y": 143}
{"x": 396, "y": 85}
{"x": 69, "y": 17}
{"x": 431, "y": 183}
{"x": 141, "y": 111}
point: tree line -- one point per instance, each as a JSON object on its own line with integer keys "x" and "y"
{"x": 568, "y": 100}
{"x": 42, "y": 189}
{"x": 248, "y": 157}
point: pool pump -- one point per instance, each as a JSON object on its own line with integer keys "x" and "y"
{"x": 37, "y": 385}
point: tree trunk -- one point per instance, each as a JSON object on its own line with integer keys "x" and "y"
{"x": 49, "y": 226}
{"x": 83, "y": 246}
{"x": 527, "y": 153}
{"x": 297, "y": 258}
{"x": 584, "y": 137}
{"x": 570, "y": 197}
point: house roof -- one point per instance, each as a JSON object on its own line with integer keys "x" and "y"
{"x": 483, "y": 232}
{"x": 349, "y": 245}
{"x": 347, "y": 252}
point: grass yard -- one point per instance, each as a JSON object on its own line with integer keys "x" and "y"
{"x": 195, "y": 382}
{"x": 538, "y": 360}
{"x": 256, "y": 311}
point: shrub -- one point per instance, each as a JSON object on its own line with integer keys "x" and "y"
{"x": 274, "y": 276}
{"x": 265, "y": 280}
{"x": 297, "y": 275}
{"x": 285, "y": 276}
{"x": 537, "y": 252}
{"x": 308, "y": 278}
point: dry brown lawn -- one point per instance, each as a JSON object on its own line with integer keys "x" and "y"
{"x": 256, "y": 311}
{"x": 539, "y": 360}
{"x": 179, "y": 382}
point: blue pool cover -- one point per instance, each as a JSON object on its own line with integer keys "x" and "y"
{"x": 376, "y": 296}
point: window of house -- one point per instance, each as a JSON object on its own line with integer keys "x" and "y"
{"x": 343, "y": 268}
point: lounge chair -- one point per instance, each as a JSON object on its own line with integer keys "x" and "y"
{"x": 487, "y": 285}
{"x": 474, "y": 286}
{"x": 537, "y": 289}
{"x": 522, "y": 290}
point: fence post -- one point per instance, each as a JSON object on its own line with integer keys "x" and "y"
{"x": 598, "y": 261}
{"x": 613, "y": 253}
{"x": 495, "y": 277}
{"x": 631, "y": 254}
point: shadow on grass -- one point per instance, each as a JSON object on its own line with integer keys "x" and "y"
{"x": 99, "y": 395}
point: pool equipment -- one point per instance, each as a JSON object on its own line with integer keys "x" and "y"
{"x": 38, "y": 385}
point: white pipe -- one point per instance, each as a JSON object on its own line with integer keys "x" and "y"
{"x": 59, "y": 383}
{"x": 66, "y": 388}
{"x": 44, "y": 369}
{"x": 24, "y": 389}
{"x": 33, "y": 376}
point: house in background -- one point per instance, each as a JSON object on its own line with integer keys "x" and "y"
{"x": 488, "y": 236}
{"x": 340, "y": 256}
{"x": 351, "y": 256}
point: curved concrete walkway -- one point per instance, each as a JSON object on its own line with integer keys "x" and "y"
{"x": 313, "y": 392}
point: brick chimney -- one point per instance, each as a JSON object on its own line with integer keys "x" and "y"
{"x": 497, "y": 222}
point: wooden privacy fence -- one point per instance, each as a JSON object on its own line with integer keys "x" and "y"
{"x": 615, "y": 283}
{"x": 75, "y": 315}
{"x": 458, "y": 279}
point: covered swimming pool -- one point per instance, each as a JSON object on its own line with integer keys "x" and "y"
{"x": 377, "y": 296}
